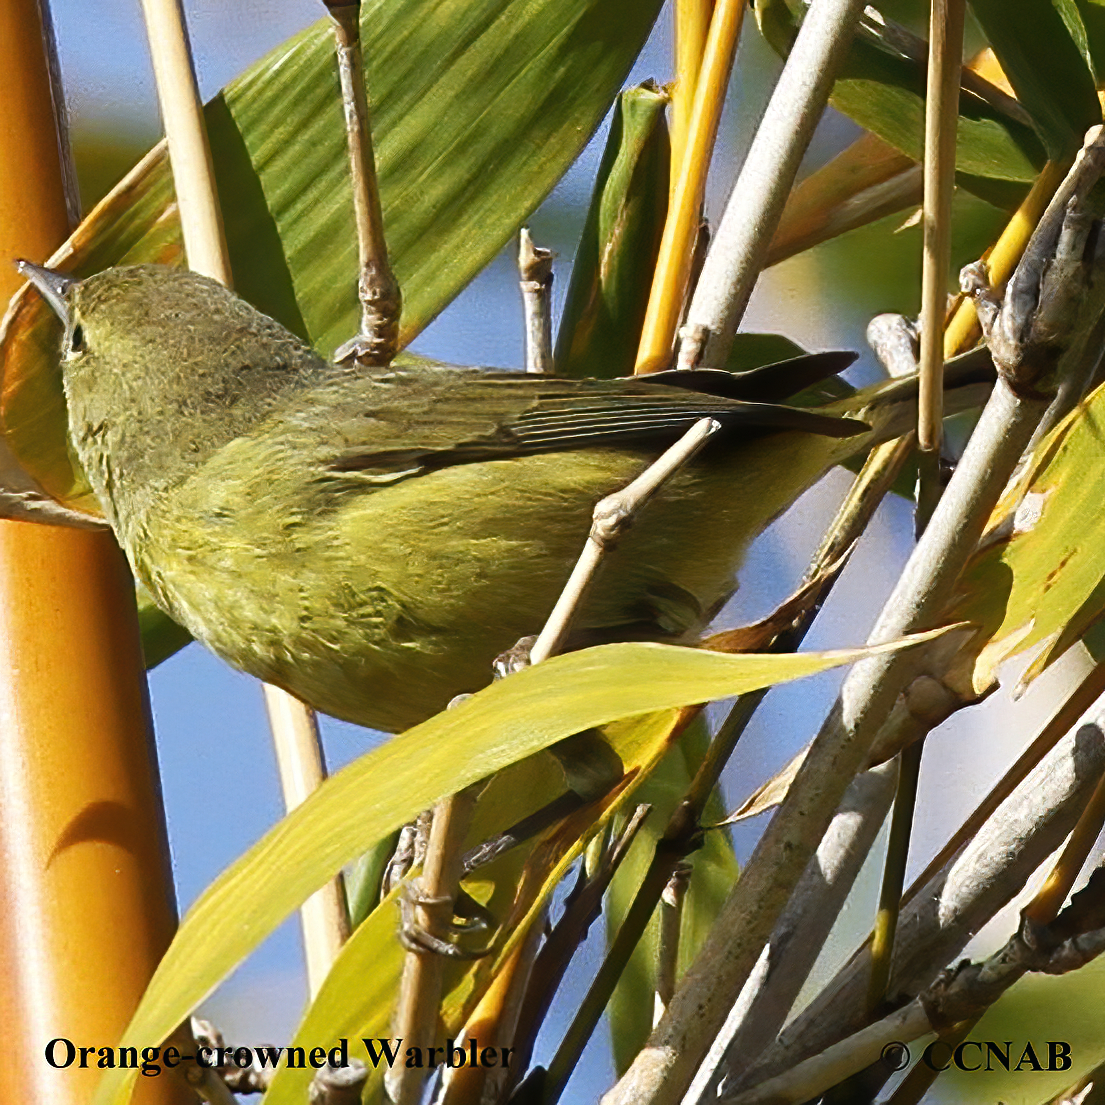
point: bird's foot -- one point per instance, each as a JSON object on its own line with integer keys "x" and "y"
{"x": 416, "y": 937}
{"x": 515, "y": 658}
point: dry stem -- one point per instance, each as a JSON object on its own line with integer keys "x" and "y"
{"x": 420, "y": 989}
{"x": 182, "y": 113}
{"x": 299, "y": 760}
{"x": 949, "y": 903}
{"x": 941, "y": 115}
{"x": 381, "y": 301}
{"x": 535, "y": 271}
{"x": 205, "y": 244}
{"x": 611, "y": 515}
{"x": 667, "y": 951}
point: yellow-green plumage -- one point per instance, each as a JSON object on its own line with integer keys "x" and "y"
{"x": 372, "y": 541}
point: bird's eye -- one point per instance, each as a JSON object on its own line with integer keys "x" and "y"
{"x": 76, "y": 339}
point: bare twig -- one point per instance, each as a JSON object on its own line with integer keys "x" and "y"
{"x": 338, "y": 1085}
{"x": 667, "y": 951}
{"x": 611, "y": 515}
{"x": 299, "y": 759}
{"x": 692, "y": 25}
{"x": 917, "y": 1083}
{"x": 893, "y": 339}
{"x": 379, "y": 293}
{"x": 535, "y": 271}
{"x": 890, "y": 895}
{"x": 941, "y": 115}
{"x": 582, "y": 909}
{"x": 785, "y": 962}
{"x": 1045, "y": 906}
{"x": 962, "y": 331}
{"x": 950, "y": 903}
{"x": 420, "y": 987}
{"x": 740, "y": 246}
{"x": 960, "y": 994}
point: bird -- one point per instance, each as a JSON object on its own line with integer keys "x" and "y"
{"x": 371, "y": 539}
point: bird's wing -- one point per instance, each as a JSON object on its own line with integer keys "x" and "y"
{"x": 400, "y": 423}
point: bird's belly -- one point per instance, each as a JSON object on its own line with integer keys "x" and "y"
{"x": 383, "y": 606}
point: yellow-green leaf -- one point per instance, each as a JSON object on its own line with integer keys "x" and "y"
{"x": 1040, "y": 576}
{"x": 368, "y": 799}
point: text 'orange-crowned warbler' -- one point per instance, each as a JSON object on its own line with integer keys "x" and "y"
{"x": 371, "y": 540}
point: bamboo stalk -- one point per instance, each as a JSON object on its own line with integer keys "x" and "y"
{"x": 610, "y": 515}
{"x": 1045, "y": 906}
{"x": 692, "y": 26}
{"x": 667, "y": 951}
{"x": 381, "y": 301}
{"x": 86, "y": 897}
{"x": 423, "y": 970}
{"x": 535, "y": 278}
{"x": 673, "y": 263}
{"x": 962, "y": 330}
{"x": 941, "y": 116}
{"x": 201, "y": 219}
{"x": 299, "y": 761}
{"x": 293, "y": 724}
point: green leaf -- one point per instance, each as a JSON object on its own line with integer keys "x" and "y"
{"x": 387, "y": 787}
{"x": 754, "y": 350}
{"x": 885, "y": 93}
{"x": 1092, "y": 13}
{"x": 714, "y": 872}
{"x": 608, "y": 294}
{"x": 1041, "y": 577}
{"x": 478, "y": 108}
{"x": 1043, "y": 49}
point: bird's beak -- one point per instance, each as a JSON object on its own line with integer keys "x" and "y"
{"x": 54, "y": 286}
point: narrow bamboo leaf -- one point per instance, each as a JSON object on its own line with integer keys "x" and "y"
{"x": 478, "y": 108}
{"x": 885, "y": 94}
{"x": 1044, "y": 52}
{"x": 860, "y": 185}
{"x": 610, "y": 284}
{"x": 513, "y": 889}
{"x": 379, "y": 792}
{"x": 1041, "y": 575}
{"x": 1092, "y": 13}
{"x": 714, "y": 872}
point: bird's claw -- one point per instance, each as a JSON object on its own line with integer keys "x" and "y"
{"x": 515, "y": 658}
{"x": 415, "y": 937}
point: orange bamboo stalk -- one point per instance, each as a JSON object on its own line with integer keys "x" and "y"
{"x": 86, "y": 902}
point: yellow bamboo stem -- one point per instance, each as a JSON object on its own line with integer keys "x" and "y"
{"x": 692, "y": 24}
{"x": 962, "y": 331}
{"x": 86, "y": 901}
{"x": 673, "y": 264}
